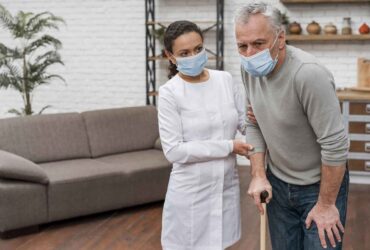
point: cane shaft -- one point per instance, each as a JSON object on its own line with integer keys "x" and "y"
{"x": 263, "y": 229}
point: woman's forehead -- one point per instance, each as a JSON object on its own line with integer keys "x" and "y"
{"x": 188, "y": 40}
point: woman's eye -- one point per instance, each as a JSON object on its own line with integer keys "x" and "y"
{"x": 184, "y": 54}
{"x": 199, "y": 49}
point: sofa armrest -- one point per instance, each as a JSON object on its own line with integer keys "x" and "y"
{"x": 16, "y": 167}
{"x": 158, "y": 144}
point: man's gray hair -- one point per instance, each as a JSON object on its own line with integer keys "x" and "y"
{"x": 273, "y": 14}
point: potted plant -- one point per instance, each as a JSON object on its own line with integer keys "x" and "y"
{"x": 23, "y": 67}
{"x": 159, "y": 35}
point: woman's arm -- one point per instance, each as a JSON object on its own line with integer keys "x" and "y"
{"x": 174, "y": 147}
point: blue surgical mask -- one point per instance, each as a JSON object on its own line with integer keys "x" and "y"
{"x": 260, "y": 64}
{"x": 192, "y": 65}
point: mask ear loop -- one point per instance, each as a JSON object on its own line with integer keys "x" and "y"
{"x": 174, "y": 58}
{"x": 277, "y": 36}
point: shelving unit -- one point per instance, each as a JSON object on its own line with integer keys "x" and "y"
{"x": 325, "y": 37}
{"x": 321, "y": 38}
{"x": 356, "y": 117}
{"x": 150, "y": 44}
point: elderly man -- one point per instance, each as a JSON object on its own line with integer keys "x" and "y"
{"x": 299, "y": 134}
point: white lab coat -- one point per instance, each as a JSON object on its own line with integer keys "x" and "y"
{"x": 197, "y": 123}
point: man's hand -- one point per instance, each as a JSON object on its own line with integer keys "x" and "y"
{"x": 241, "y": 148}
{"x": 250, "y": 115}
{"x": 327, "y": 220}
{"x": 256, "y": 187}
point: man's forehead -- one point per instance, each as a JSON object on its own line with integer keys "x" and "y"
{"x": 251, "y": 35}
{"x": 253, "y": 30}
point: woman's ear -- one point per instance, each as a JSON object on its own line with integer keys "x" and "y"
{"x": 170, "y": 56}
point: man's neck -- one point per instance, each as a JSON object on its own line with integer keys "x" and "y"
{"x": 281, "y": 60}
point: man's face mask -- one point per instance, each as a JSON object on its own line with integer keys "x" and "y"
{"x": 261, "y": 63}
{"x": 192, "y": 65}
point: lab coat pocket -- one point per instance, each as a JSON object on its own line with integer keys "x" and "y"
{"x": 196, "y": 125}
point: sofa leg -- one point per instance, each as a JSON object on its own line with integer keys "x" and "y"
{"x": 18, "y": 232}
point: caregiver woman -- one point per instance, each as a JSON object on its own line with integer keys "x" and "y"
{"x": 199, "y": 113}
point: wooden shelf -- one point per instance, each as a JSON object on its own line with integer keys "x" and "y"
{"x": 161, "y": 58}
{"x": 321, "y": 38}
{"x": 353, "y": 94}
{"x": 323, "y": 1}
{"x": 166, "y": 23}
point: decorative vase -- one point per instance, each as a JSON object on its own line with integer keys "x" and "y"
{"x": 364, "y": 29}
{"x": 295, "y": 28}
{"x": 346, "y": 27}
{"x": 313, "y": 28}
{"x": 330, "y": 29}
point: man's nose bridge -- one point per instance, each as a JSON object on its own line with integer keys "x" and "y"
{"x": 251, "y": 50}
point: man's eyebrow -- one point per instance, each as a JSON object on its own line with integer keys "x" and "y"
{"x": 254, "y": 41}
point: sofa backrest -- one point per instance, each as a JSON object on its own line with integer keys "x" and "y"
{"x": 121, "y": 130}
{"x": 44, "y": 138}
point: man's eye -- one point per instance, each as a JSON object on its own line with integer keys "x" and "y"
{"x": 199, "y": 49}
{"x": 243, "y": 47}
{"x": 258, "y": 44}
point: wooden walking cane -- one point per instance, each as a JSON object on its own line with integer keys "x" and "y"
{"x": 263, "y": 197}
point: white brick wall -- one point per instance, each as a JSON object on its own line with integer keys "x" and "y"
{"x": 103, "y": 51}
{"x": 104, "y": 47}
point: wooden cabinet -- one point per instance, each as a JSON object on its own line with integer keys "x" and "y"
{"x": 356, "y": 116}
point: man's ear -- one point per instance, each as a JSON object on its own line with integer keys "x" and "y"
{"x": 282, "y": 39}
{"x": 170, "y": 56}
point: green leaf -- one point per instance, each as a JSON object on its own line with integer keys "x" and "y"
{"x": 39, "y": 23}
{"x": 43, "y": 109}
{"x": 42, "y": 42}
{"x": 6, "y": 19}
{"x": 15, "y": 111}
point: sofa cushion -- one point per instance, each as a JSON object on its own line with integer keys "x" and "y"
{"x": 43, "y": 138}
{"x": 86, "y": 186}
{"x": 15, "y": 167}
{"x": 121, "y": 130}
{"x": 22, "y": 204}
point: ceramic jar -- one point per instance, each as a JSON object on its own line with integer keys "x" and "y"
{"x": 313, "y": 28}
{"x": 364, "y": 29}
{"x": 295, "y": 28}
{"x": 330, "y": 29}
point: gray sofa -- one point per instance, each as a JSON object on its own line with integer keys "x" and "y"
{"x": 59, "y": 166}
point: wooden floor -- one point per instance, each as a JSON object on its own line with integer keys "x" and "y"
{"x": 140, "y": 227}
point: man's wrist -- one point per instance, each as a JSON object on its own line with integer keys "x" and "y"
{"x": 324, "y": 202}
{"x": 258, "y": 172}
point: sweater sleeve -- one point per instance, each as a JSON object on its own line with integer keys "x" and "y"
{"x": 240, "y": 104}
{"x": 316, "y": 91}
{"x": 253, "y": 133}
{"x": 175, "y": 148}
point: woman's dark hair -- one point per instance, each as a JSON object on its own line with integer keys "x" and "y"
{"x": 173, "y": 31}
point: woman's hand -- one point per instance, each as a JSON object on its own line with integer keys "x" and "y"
{"x": 250, "y": 115}
{"x": 242, "y": 148}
